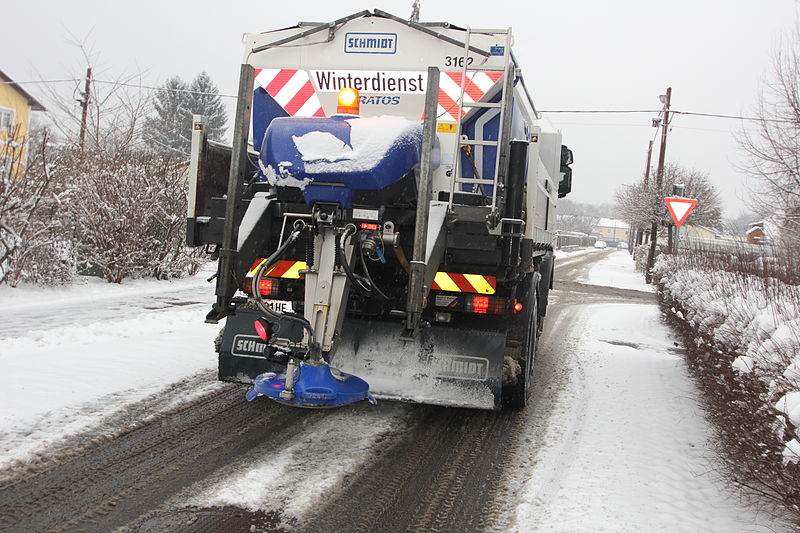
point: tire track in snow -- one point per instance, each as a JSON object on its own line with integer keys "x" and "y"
{"x": 110, "y": 483}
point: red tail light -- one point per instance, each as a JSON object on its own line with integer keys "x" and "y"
{"x": 265, "y": 285}
{"x": 480, "y": 304}
{"x": 369, "y": 226}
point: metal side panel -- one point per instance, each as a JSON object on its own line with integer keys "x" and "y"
{"x": 448, "y": 366}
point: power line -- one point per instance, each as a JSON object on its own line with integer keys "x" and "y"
{"x": 677, "y": 112}
{"x": 150, "y": 87}
{"x": 118, "y": 83}
{"x": 561, "y": 111}
{"x": 39, "y": 81}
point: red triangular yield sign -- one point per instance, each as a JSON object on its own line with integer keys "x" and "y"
{"x": 680, "y": 208}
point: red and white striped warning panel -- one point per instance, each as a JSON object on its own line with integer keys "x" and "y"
{"x": 478, "y": 283}
{"x": 292, "y": 89}
{"x": 476, "y": 86}
{"x": 281, "y": 269}
{"x": 296, "y": 91}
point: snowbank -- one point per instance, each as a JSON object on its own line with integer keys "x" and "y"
{"x": 74, "y": 356}
{"x": 754, "y": 317}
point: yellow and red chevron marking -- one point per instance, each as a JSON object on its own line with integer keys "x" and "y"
{"x": 281, "y": 269}
{"x": 292, "y": 89}
{"x": 476, "y": 86}
{"x": 447, "y": 281}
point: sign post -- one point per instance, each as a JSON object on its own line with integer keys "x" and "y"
{"x": 679, "y": 208}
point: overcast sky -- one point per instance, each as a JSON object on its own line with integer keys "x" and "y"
{"x": 575, "y": 54}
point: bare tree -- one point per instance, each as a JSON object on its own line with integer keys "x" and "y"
{"x": 581, "y": 217}
{"x": 116, "y": 108}
{"x": 642, "y": 203}
{"x": 772, "y": 151}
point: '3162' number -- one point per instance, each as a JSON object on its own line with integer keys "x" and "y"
{"x": 456, "y": 61}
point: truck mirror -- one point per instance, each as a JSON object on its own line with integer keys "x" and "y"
{"x": 565, "y": 185}
{"x": 566, "y": 156}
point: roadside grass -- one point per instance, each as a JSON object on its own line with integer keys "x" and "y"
{"x": 738, "y": 313}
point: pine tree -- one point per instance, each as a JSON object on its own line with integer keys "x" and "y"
{"x": 169, "y": 131}
{"x": 205, "y": 100}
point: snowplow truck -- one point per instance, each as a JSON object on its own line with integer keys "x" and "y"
{"x": 383, "y": 221}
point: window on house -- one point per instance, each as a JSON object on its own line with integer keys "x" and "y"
{"x": 7, "y": 121}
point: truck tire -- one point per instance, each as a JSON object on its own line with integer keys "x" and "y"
{"x": 517, "y": 394}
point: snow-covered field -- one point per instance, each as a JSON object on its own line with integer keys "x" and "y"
{"x": 74, "y": 355}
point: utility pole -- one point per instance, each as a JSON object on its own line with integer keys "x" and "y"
{"x": 639, "y": 233}
{"x": 84, "y": 101}
{"x": 659, "y": 181}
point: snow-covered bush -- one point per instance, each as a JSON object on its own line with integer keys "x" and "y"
{"x": 640, "y": 256}
{"x": 32, "y": 247}
{"x": 742, "y": 309}
{"x": 127, "y": 213}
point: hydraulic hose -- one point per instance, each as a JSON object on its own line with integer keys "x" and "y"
{"x": 359, "y": 282}
{"x": 259, "y": 275}
{"x": 369, "y": 278}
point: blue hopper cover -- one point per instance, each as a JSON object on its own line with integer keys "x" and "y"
{"x": 329, "y": 158}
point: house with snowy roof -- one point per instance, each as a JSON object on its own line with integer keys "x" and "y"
{"x": 611, "y": 229}
{"x": 763, "y": 231}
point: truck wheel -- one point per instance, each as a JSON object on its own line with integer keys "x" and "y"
{"x": 218, "y": 340}
{"x": 517, "y": 395}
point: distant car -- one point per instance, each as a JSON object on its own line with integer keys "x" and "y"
{"x": 600, "y": 244}
{"x": 623, "y": 245}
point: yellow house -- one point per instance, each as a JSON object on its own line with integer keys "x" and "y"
{"x": 698, "y": 232}
{"x": 16, "y": 105}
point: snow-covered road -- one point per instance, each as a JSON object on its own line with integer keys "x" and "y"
{"x": 614, "y": 441}
{"x": 72, "y": 356}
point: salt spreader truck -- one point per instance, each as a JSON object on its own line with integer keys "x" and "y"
{"x": 389, "y": 232}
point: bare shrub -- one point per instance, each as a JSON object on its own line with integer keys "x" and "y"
{"x": 127, "y": 214}
{"x": 32, "y": 246}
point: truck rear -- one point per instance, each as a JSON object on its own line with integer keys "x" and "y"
{"x": 389, "y": 232}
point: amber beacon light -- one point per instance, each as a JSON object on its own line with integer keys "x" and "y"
{"x": 348, "y": 102}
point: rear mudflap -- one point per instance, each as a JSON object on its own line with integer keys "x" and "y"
{"x": 443, "y": 365}
{"x": 242, "y": 354}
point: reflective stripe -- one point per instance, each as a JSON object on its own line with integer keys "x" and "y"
{"x": 294, "y": 271}
{"x": 476, "y": 86}
{"x": 281, "y": 269}
{"x": 477, "y": 283}
{"x": 480, "y": 283}
{"x": 256, "y": 264}
{"x": 443, "y": 282}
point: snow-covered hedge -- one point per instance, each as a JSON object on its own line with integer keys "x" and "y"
{"x": 117, "y": 213}
{"x": 126, "y": 213}
{"x": 747, "y": 306}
